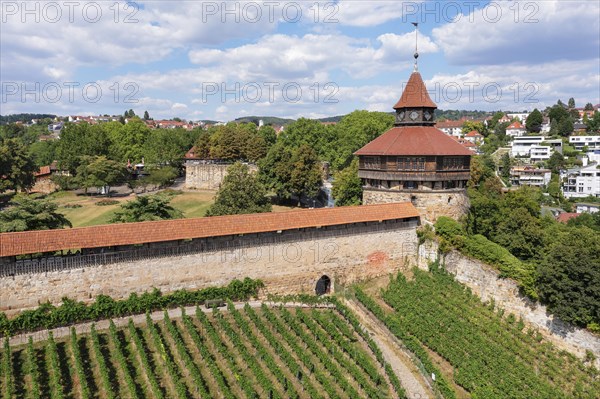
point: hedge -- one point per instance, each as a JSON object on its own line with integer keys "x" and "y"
{"x": 48, "y": 316}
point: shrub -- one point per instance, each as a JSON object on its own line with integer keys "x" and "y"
{"x": 104, "y": 307}
{"x": 106, "y": 202}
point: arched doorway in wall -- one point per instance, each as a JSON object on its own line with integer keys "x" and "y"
{"x": 323, "y": 285}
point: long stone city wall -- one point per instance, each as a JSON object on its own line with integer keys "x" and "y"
{"x": 484, "y": 282}
{"x": 430, "y": 205}
{"x": 290, "y": 265}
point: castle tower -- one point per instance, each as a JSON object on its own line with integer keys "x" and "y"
{"x": 414, "y": 161}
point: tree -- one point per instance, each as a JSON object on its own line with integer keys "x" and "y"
{"x": 268, "y": 134}
{"x": 307, "y": 176}
{"x": 347, "y": 186}
{"x": 565, "y": 127}
{"x": 203, "y": 145}
{"x": 556, "y": 162}
{"x": 165, "y": 147}
{"x": 100, "y": 172}
{"x": 146, "y": 115}
{"x": 17, "y": 167}
{"x": 571, "y": 104}
{"x": 240, "y": 193}
{"x": 275, "y": 170}
{"x": 519, "y": 232}
{"x": 161, "y": 177}
{"x": 506, "y": 165}
{"x": 469, "y": 126}
{"x": 534, "y": 121}
{"x": 558, "y": 113}
{"x": 353, "y": 132}
{"x": 588, "y": 107}
{"x": 43, "y": 152}
{"x": 26, "y": 213}
{"x": 482, "y": 168}
{"x": 128, "y": 140}
{"x": 593, "y": 124}
{"x": 80, "y": 140}
{"x": 569, "y": 276}
{"x": 147, "y": 208}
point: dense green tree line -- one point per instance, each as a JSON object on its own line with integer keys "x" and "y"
{"x": 555, "y": 262}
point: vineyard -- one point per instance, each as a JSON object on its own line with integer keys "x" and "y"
{"x": 492, "y": 355}
{"x": 238, "y": 353}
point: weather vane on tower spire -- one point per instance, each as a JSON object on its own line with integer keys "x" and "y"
{"x": 416, "y": 24}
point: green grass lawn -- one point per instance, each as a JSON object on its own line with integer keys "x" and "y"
{"x": 192, "y": 204}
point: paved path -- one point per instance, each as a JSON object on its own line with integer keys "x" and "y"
{"x": 139, "y": 319}
{"x": 414, "y": 383}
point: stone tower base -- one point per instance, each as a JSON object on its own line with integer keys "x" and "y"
{"x": 431, "y": 204}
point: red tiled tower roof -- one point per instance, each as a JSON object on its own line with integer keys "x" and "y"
{"x": 414, "y": 140}
{"x": 415, "y": 94}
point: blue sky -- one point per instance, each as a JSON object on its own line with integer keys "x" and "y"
{"x": 221, "y": 60}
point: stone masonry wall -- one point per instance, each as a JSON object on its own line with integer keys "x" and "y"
{"x": 431, "y": 205}
{"x": 207, "y": 176}
{"x": 285, "y": 267}
{"x": 484, "y": 282}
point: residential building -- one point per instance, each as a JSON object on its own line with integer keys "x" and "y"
{"x": 504, "y": 119}
{"x": 539, "y": 153}
{"x": 529, "y": 176}
{"x": 523, "y": 146}
{"x": 520, "y": 116}
{"x": 451, "y": 128}
{"x": 583, "y": 207}
{"x": 591, "y": 142}
{"x": 582, "y": 182}
{"x": 515, "y": 129}
{"x": 474, "y": 137}
{"x": 545, "y": 128}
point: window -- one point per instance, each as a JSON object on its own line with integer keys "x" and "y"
{"x": 372, "y": 163}
{"x": 453, "y": 163}
{"x": 410, "y": 163}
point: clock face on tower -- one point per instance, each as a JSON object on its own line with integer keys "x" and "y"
{"x": 414, "y": 115}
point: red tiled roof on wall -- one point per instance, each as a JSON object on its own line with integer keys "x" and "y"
{"x": 170, "y": 230}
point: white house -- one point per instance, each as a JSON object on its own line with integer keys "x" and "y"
{"x": 451, "y": 128}
{"x": 540, "y": 153}
{"x": 592, "y": 142}
{"x": 582, "y": 182}
{"x": 520, "y": 116}
{"x": 515, "y": 129}
{"x": 583, "y": 207}
{"x": 474, "y": 137}
{"x": 524, "y": 145}
{"x": 529, "y": 176}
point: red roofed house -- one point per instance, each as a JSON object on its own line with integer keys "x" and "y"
{"x": 474, "y": 137}
{"x": 566, "y": 216}
{"x": 415, "y": 161}
{"x": 515, "y": 129}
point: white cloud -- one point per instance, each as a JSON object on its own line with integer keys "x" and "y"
{"x": 505, "y": 32}
{"x": 283, "y": 57}
{"x": 516, "y": 87}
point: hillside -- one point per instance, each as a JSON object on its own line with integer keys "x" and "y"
{"x": 264, "y": 352}
{"x": 475, "y": 345}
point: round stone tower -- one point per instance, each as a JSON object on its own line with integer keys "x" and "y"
{"x": 414, "y": 161}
